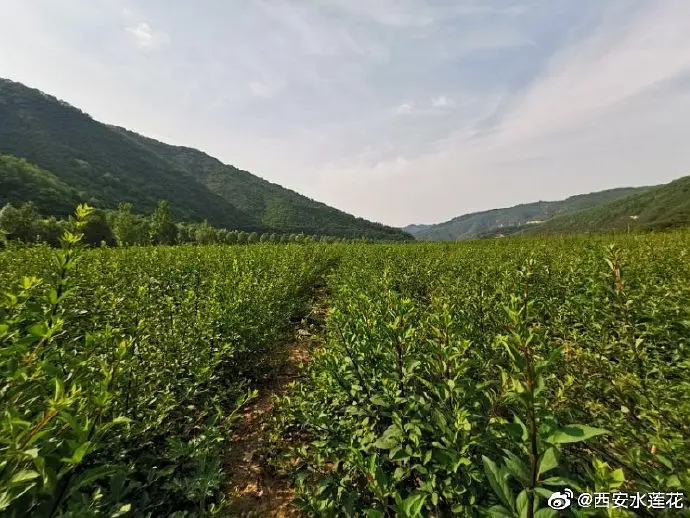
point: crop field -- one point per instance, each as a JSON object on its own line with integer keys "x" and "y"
{"x": 466, "y": 379}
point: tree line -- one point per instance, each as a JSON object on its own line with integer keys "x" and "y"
{"x": 123, "y": 227}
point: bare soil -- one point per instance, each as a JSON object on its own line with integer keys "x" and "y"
{"x": 254, "y": 488}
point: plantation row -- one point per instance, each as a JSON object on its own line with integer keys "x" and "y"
{"x": 121, "y": 370}
{"x": 477, "y": 379}
{"x": 453, "y": 379}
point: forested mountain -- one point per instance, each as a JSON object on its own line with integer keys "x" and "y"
{"x": 277, "y": 208}
{"x": 657, "y": 208}
{"x": 512, "y": 219}
{"x": 22, "y": 181}
{"x": 69, "y": 157}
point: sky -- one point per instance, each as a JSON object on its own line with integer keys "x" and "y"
{"x": 398, "y": 111}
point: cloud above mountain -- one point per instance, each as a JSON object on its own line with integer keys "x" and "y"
{"x": 397, "y": 110}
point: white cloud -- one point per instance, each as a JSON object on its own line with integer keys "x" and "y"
{"x": 146, "y": 37}
{"x": 404, "y": 108}
{"x": 604, "y": 112}
{"x": 441, "y": 102}
{"x": 616, "y": 63}
{"x": 396, "y": 110}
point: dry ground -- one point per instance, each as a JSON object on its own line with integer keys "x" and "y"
{"x": 255, "y": 489}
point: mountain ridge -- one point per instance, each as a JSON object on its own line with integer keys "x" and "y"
{"x": 656, "y": 208}
{"x": 106, "y": 165}
{"x": 478, "y": 224}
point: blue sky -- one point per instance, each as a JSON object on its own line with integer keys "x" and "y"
{"x": 400, "y": 111}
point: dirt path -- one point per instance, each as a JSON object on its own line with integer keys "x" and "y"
{"x": 253, "y": 486}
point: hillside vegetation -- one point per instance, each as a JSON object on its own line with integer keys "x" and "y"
{"x": 277, "y": 208}
{"x": 510, "y": 219}
{"x": 658, "y": 208}
{"x": 105, "y": 166}
{"x": 443, "y": 379}
{"x": 22, "y": 181}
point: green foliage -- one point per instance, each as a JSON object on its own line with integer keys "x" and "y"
{"x": 19, "y": 223}
{"x": 21, "y": 182}
{"x": 514, "y": 219}
{"x": 162, "y": 229}
{"x": 123, "y": 369}
{"x": 129, "y": 228}
{"x": 478, "y": 379}
{"x": 658, "y": 208}
{"x": 62, "y": 156}
{"x": 454, "y": 379}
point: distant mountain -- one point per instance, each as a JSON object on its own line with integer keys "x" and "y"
{"x": 415, "y": 229}
{"x": 514, "y": 219}
{"x": 56, "y": 155}
{"x": 657, "y": 208}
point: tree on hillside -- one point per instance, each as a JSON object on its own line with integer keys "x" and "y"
{"x": 50, "y": 230}
{"x": 163, "y": 230}
{"x": 20, "y": 223}
{"x": 129, "y": 229}
{"x": 97, "y": 230}
{"x": 205, "y": 234}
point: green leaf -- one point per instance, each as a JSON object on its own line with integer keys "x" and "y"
{"x": 78, "y": 454}
{"x": 39, "y": 330}
{"x": 521, "y": 503}
{"x": 31, "y": 453}
{"x": 517, "y": 429}
{"x": 517, "y": 467}
{"x": 412, "y": 505}
{"x": 122, "y": 510}
{"x": 378, "y": 400}
{"x": 499, "y": 482}
{"x": 391, "y": 438}
{"x": 548, "y": 461}
{"x": 546, "y": 513}
{"x": 23, "y": 476}
{"x": 398, "y": 454}
{"x": 575, "y": 433}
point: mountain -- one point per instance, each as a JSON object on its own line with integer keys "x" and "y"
{"x": 57, "y": 155}
{"x": 22, "y": 181}
{"x": 415, "y": 229}
{"x": 277, "y": 208}
{"x": 657, "y": 208}
{"x": 513, "y": 219}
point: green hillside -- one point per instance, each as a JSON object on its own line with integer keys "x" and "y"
{"x": 21, "y": 181}
{"x": 275, "y": 207}
{"x": 662, "y": 207}
{"x": 79, "y": 159}
{"x": 508, "y": 220}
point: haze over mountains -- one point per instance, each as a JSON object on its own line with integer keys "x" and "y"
{"x": 477, "y": 224}
{"x": 57, "y": 155}
{"x": 641, "y": 208}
